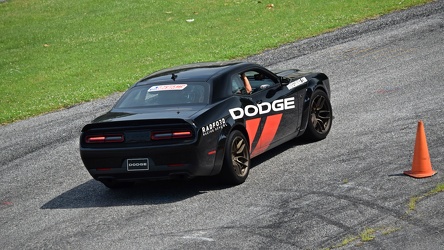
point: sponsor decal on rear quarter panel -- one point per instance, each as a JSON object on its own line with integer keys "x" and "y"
{"x": 214, "y": 126}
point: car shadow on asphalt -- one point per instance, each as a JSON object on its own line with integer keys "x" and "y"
{"x": 94, "y": 194}
{"x": 276, "y": 151}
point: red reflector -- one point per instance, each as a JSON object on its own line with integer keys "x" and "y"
{"x": 103, "y": 169}
{"x": 212, "y": 152}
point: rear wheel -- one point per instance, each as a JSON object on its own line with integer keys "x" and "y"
{"x": 320, "y": 117}
{"x": 237, "y": 159}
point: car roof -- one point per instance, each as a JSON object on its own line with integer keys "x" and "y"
{"x": 196, "y": 72}
{"x": 216, "y": 74}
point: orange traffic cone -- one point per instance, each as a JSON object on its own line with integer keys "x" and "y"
{"x": 421, "y": 166}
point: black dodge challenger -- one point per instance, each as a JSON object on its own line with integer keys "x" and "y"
{"x": 204, "y": 119}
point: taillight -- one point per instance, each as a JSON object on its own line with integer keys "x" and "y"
{"x": 104, "y": 138}
{"x": 166, "y": 135}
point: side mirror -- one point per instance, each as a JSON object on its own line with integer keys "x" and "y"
{"x": 284, "y": 80}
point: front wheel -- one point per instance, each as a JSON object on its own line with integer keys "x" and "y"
{"x": 236, "y": 160}
{"x": 319, "y": 118}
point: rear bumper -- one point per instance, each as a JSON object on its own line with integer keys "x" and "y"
{"x": 164, "y": 163}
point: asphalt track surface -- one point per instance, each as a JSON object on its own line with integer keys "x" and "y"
{"x": 386, "y": 75}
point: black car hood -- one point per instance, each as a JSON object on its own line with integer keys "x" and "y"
{"x": 135, "y": 114}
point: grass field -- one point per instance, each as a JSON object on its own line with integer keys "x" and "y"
{"x": 57, "y": 53}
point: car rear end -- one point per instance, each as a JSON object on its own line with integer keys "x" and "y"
{"x": 142, "y": 149}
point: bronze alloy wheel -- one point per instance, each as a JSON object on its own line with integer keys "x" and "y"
{"x": 237, "y": 159}
{"x": 320, "y": 117}
{"x": 239, "y": 156}
{"x": 321, "y": 114}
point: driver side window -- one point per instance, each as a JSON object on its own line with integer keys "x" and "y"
{"x": 259, "y": 80}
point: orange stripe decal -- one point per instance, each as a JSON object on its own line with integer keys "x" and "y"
{"x": 268, "y": 133}
{"x": 252, "y": 126}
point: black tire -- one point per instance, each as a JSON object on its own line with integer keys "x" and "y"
{"x": 113, "y": 184}
{"x": 236, "y": 164}
{"x": 320, "y": 117}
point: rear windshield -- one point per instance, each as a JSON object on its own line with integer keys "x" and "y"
{"x": 164, "y": 94}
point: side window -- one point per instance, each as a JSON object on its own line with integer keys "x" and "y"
{"x": 259, "y": 80}
{"x": 253, "y": 80}
{"x": 237, "y": 87}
